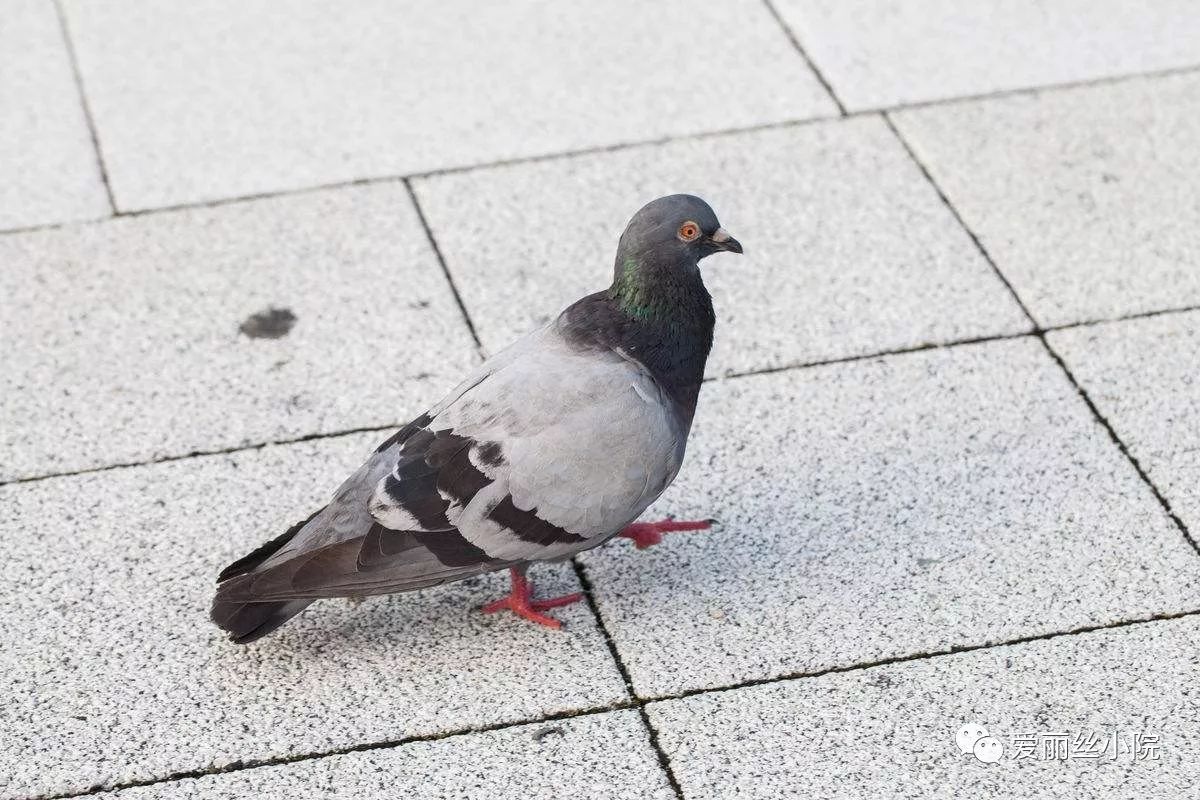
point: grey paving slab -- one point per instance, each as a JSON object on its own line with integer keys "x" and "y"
{"x": 1142, "y": 376}
{"x": 1086, "y": 198}
{"x": 848, "y": 248}
{"x": 884, "y": 508}
{"x": 220, "y": 98}
{"x": 48, "y": 167}
{"x": 877, "y": 54}
{"x": 890, "y": 731}
{"x": 598, "y": 756}
{"x": 123, "y": 339}
{"x": 114, "y": 674}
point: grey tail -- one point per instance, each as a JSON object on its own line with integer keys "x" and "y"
{"x": 247, "y": 621}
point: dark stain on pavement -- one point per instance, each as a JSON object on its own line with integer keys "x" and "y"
{"x": 274, "y": 323}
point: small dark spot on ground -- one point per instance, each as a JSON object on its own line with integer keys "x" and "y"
{"x": 882, "y": 681}
{"x": 274, "y": 323}
{"x": 542, "y": 733}
{"x": 419, "y": 305}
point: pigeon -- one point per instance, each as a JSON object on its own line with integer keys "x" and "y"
{"x": 553, "y": 446}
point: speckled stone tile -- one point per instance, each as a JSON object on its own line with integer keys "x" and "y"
{"x": 123, "y": 339}
{"x": 848, "y": 248}
{"x": 890, "y": 731}
{"x": 882, "y": 508}
{"x": 1142, "y": 376}
{"x": 221, "y": 98}
{"x": 877, "y": 53}
{"x": 114, "y": 674}
{"x": 593, "y": 757}
{"x": 48, "y": 167}
{"x": 1086, "y": 198}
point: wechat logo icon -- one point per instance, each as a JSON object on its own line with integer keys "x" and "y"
{"x": 974, "y": 739}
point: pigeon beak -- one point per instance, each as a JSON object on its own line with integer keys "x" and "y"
{"x": 724, "y": 241}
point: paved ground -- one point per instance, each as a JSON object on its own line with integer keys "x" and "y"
{"x": 951, "y": 428}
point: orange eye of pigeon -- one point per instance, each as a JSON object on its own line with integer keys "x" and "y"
{"x": 688, "y": 231}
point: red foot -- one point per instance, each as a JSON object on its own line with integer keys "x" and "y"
{"x": 520, "y": 601}
{"x": 648, "y": 534}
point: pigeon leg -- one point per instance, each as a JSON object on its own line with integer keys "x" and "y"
{"x": 520, "y": 601}
{"x": 648, "y": 534}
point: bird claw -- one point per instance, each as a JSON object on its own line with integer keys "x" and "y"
{"x": 648, "y": 534}
{"x": 520, "y": 601}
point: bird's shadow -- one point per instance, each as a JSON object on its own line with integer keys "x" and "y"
{"x": 424, "y": 626}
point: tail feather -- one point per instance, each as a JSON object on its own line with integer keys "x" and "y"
{"x": 245, "y": 622}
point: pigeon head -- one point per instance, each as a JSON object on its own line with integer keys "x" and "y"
{"x": 673, "y": 231}
{"x": 657, "y": 310}
{"x": 656, "y": 274}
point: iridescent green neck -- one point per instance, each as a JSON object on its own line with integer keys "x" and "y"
{"x": 633, "y": 293}
{"x": 657, "y": 313}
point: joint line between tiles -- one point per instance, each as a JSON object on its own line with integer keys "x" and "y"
{"x": 387, "y": 744}
{"x": 632, "y": 703}
{"x": 794, "y": 367}
{"x": 1037, "y": 89}
{"x": 374, "y": 428}
{"x": 220, "y": 451}
{"x": 927, "y": 656}
{"x": 93, "y": 132}
{"x": 1163, "y": 502}
{"x": 612, "y": 147}
{"x": 958, "y": 217}
{"x": 812, "y": 65}
{"x": 441, "y": 259}
{"x": 664, "y": 761}
{"x": 1040, "y": 333}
